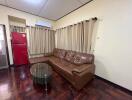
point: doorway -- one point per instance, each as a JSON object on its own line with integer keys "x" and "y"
{"x": 4, "y": 58}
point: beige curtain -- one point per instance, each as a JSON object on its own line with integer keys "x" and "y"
{"x": 77, "y": 37}
{"x": 41, "y": 40}
{"x": 88, "y": 27}
{"x": 61, "y": 38}
{"x": 49, "y": 42}
{"x": 69, "y": 37}
{"x": 17, "y": 29}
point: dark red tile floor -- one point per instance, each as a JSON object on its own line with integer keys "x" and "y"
{"x": 16, "y": 84}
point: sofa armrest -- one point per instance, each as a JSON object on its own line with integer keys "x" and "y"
{"x": 38, "y": 59}
{"x": 86, "y": 68}
{"x": 83, "y": 74}
{"x": 48, "y": 54}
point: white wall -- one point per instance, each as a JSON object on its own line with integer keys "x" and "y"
{"x": 113, "y": 50}
{"x": 30, "y": 20}
{"x": 16, "y": 21}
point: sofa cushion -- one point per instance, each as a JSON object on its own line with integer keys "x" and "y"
{"x": 55, "y": 52}
{"x": 70, "y": 55}
{"x": 65, "y": 66}
{"x": 60, "y": 53}
{"x": 62, "y": 64}
{"x": 64, "y": 70}
{"x": 83, "y": 58}
{"x": 54, "y": 59}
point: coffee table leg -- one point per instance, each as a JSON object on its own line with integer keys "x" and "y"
{"x": 46, "y": 87}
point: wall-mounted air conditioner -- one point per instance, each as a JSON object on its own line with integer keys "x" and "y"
{"x": 43, "y": 23}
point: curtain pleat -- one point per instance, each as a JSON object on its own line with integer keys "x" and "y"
{"x": 88, "y": 35}
{"x": 41, "y": 41}
{"x": 77, "y": 37}
{"x": 61, "y": 38}
{"x": 69, "y": 36}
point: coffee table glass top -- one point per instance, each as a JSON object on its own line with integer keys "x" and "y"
{"x": 41, "y": 70}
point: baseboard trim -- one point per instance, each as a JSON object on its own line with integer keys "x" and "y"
{"x": 115, "y": 85}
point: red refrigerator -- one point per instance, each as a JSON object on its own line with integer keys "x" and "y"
{"x": 19, "y": 48}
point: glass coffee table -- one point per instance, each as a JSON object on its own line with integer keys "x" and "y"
{"x": 41, "y": 74}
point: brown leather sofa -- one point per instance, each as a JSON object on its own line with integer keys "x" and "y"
{"x": 77, "y": 68}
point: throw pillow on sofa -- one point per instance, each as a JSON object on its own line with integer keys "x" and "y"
{"x": 69, "y": 56}
{"x": 83, "y": 58}
{"x": 59, "y": 53}
{"x": 62, "y": 53}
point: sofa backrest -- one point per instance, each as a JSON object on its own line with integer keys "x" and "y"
{"x": 74, "y": 57}
{"x": 60, "y": 53}
{"x": 83, "y": 58}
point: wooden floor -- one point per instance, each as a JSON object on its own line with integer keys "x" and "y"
{"x": 16, "y": 84}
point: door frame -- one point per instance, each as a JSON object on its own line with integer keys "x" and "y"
{"x": 6, "y": 44}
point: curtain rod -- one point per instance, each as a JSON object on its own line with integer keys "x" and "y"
{"x": 46, "y": 28}
{"x": 39, "y": 26}
{"x": 18, "y": 26}
{"x": 95, "y": 19}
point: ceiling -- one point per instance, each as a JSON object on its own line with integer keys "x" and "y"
{"x": 51, "y": 9}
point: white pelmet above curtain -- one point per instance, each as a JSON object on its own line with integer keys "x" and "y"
{"x": 78, "y": 37}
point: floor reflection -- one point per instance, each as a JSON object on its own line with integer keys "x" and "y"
{"x": 4, "y": 92}
{"x": 42, "y": 88}
{"x": 16, "y": 84}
